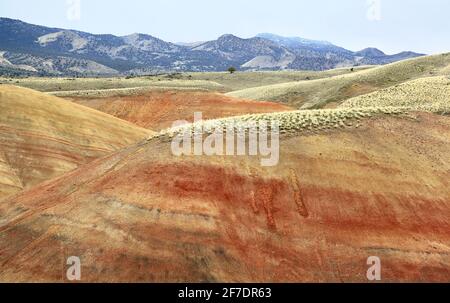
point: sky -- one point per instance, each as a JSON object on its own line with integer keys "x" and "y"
{"x": 390, "y": 25}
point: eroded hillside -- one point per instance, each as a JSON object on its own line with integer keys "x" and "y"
{"x": 336, "y": 198}
{"x": 44, "y": 136}
{"x": 158, "y": 109}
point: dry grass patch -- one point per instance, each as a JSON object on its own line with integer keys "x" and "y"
{"x": 430, "y": 91}
{"x": 214, "y": 81}
{"x": 244, "y": 80}
{"x": 305, "y": 121}
{"x": 91, "y": 84}
{"x": 293, "y": 122}
{"x": 123, "y": 92}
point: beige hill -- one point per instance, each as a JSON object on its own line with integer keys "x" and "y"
{"x": 43, "y": 136}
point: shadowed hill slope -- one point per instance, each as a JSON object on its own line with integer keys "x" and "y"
{"x": 336, "y": 198}
{"x": 320, "y": 93}
{"x": 43, "y": 136}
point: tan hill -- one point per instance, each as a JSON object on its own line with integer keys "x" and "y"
{"x": 67, "y": 86}
{"x": 332, "y": 91}
{"x": 157, "y": 109}
{"x": 243, "y": 80}
{"x": 415, "y": 93}
{"x": 336, "y": 198}
{"x": 44, "y": 136}
{"x": 216, "y": 81}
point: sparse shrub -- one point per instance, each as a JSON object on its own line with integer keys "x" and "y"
{"x": 231, "y": 69}
{"x": 297, "y": 122}
{"x": 174, "y": 76}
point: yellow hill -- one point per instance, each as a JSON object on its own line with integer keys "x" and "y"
{"x": 44, "y": 136}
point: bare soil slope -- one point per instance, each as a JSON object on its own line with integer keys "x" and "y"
{"x": 336, "y": 198}
{"x": 43, "y": 136}
{"x": 158, "y": 109}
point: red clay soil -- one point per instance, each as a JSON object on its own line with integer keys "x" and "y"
{"x": 334, "y": 200}
{"x": 157, "y": 110}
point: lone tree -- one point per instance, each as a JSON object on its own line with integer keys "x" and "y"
{"x": 231, "y": 69}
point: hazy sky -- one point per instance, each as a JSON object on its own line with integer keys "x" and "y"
{"x": 391, "y": 25}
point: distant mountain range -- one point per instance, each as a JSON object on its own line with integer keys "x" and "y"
{"x": 37, "y": 50}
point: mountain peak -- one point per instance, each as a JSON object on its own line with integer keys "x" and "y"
{"x": 370, "y": 52}
{"x": 228, "y": 37}
{"x": 138, "y": 36}
{"x": 146, "y": 42}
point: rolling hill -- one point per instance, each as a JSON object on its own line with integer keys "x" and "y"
{"x": 44, "y": 136}
{"x": 213, "y": 81}
{"x": 336, "y": 198}
{"x": 106, "y": 86}
{"x": 243, "y": 80}
{"x": 332, "y": 91}
{"x": 157, "y": 109}
{"x": 419, "y": 92}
